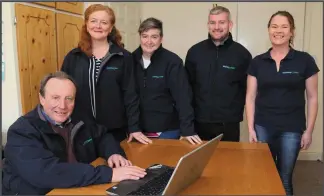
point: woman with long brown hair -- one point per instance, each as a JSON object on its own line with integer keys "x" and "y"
{"x": 275, "y": 97}
{"x": 103, "y": 71}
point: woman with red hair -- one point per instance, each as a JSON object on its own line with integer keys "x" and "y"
{"x": 103, "y": 71}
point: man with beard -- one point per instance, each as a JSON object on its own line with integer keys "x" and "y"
{"x": 217, "y": 72}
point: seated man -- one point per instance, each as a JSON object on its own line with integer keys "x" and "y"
{"x": 46, "y": 149}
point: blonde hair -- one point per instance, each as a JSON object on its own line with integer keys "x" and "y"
{"x": 220, "y": 9}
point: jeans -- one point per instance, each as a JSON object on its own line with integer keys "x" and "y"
{"x": 284, "y": 147}
{"x": 170, "y": 134}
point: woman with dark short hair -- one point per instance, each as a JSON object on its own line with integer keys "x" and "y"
{"x": 163, "y": 86}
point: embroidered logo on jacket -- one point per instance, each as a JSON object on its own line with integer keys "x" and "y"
{"x": 87, "y": 141}
{"x": 229, "y": 67}
{"x": 112, "y": 68}
{"x": 290, "y": 72}
{"x": 157, "y": 77}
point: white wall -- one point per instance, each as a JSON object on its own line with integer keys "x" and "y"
{"x": 313, "y": 44}
{"x": 11, "y": 104}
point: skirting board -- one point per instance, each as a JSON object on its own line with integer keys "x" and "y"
{"x": 310, "y": 156}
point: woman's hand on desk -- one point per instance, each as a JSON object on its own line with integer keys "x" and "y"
{"x": 127, "y": 173}
{"x": 194, "y": 139}
{"x": 118, "y": 161}
{"x": 139, "y": 136}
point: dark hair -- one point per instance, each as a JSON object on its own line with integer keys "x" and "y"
{"x": 85, "y": 38}
{"x": 59, "y": 75}
{"x": 151, "y": 23}
{"x": 291, "y": 23}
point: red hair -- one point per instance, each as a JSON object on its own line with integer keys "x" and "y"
{"x": 85, "y": 38}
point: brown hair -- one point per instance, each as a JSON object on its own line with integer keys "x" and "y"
{"x": 85, "y": 38}
{"x": 291, "y": 23}
{"x": 59, "y": 75}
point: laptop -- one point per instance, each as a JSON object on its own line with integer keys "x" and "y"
{"x": 165, "y": 180}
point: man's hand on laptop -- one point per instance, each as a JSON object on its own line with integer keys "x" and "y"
{"x": 117, "y": 160}
{"x": 194, "y": 139}
{"x": 127, "y": 173}
{"x": 139, "y": 136}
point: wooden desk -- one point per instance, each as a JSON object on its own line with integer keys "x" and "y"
{"x": 235, "y": 168}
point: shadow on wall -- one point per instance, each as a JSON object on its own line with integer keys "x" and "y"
{"x": 4, "y": 141}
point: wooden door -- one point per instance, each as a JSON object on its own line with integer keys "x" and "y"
{"x": 73, "y": 7}
{"x": 68, "y": 34}
{"x": 49, "y": 4}
{"x": 36, "y": 40}
{"x": 127, "y": 22}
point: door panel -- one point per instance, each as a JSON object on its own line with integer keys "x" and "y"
{"x": 49, "y": 4}
{"x": 36, "y": 40}
{"x": 73, "y": 7}
{"x": 68, "y": 34}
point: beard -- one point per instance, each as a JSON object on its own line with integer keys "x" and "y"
{"x": 221, "y": 39}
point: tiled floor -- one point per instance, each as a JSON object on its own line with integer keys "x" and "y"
{"x": 308, "y": 178}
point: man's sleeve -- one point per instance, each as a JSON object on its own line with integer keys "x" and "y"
{"x": 182, "y": 95}
{"x": 105, "y": 143}
{"x": 245, "y": 65}
{"x": 243, "y": 76}
{"x": 41, "y": 168}
{"x": 190, "y": 68}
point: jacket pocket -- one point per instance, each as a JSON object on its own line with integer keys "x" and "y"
{"x": 156, "y": 83}
{"x": 229, "y": 73}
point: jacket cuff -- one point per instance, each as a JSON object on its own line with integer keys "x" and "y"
{"x": 121, "y": 152}
{"x": 188, "y": 131}
{"x": 105, "y": 174}
{"x": 133, "y": 129}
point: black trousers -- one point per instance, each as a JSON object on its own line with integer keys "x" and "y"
{"x": 208, "y": 131}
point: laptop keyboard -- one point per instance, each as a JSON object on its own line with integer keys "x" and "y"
{"x": 154, "y": 186}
